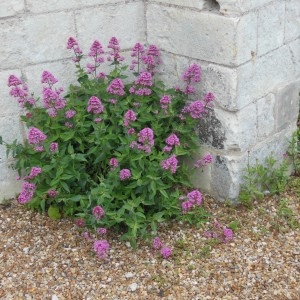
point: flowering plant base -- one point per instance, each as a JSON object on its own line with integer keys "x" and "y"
{"x": 110, "y": 151}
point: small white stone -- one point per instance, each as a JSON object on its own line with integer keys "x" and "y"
{"x": 129, "y": 275}
{"x": 132, "y": 287}
{"x": 26, "y": 250}
{"x": 54, "y": 297}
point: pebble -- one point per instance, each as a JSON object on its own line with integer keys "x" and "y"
{"x": 129, "y": 275}
{"x": 133, "y": 287}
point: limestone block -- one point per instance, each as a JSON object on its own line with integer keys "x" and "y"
{"x": 229, "y": 131}
{"x": 266, "y": 115}
{"x": 11, "y": 8}
{"x": 108, "y": 21}
{"x": 287, "y": 101}
{"x": 63, "y": 71}
{"x": 292, "y": 20}
{"x": 35, "y": 39}
{"x": 295, "y": 52}
{"x": 221, "y": 81}
{"x": 201, "y": 35}
{"x": 260, "y": 76}
{"x": 270, "y": 27}
{"x": 12, "y": 43}
{"x": 38, "y": 6}
{"x": 8, "y": 104}
{"x": 10, "y": 129}
{"x": 9, "y": 186}
{"x": 237, "y": 7}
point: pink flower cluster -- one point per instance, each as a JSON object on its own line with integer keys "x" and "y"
{"x": 204, "y": 161}
{"x": 35, "y": 171}
{"x": 95, "y": 106}
{"x": 165, "y": 101}
{"x": 52, "y": 193}
{"x": 36, "y": 137}
{"x": 129, "y": 117}
{"x": 170, "y": 164}
{"x": 51, "y": 97}
{"x": 142, "y": 84}
{"x": 80, "y": 222}
{"x": 95, "y": 52}
{"x": 72, "y": 44}
{"x": 113, "y": 163}
{"x": 27, "y": 192}
{"x": 101, "y": 247}
{"x": 223, "y": 234}
{"x": 124, "y": 174}
{"x": 190, "y": 76}
{"x": 152, "y": 59}
{"x": 171, "y": 141}
{"x": 136, "y": 52}
{"x": 193, "y": 199}
{"x": 70, "y": 114}
{"x": 166, "y": 252}
{"x": 115, "y": 52}
{"x": 101, "y": 230}
{"x": 116, "y": 87}
{"x": 54, "y": 147}
{"x": 98, "y": 212}
{"x": 19, "y": 90}
{"x": 145, "y": 140}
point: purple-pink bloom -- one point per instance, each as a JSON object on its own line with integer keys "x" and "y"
{"x": 116, "y": 87}
{"x": 192, "y": 74}
{"x": 53, "y": 99}
{"x": 96, "y": 49}
{"x": 69, "y": 125}
{"x": 35, "y": 171}
{"x": 101, "y": 247}
{"x": 71, "y": 43}
{"x": 97, "y": 120}
{"x": 144, "y": 79}
{"x": 95, "y": 105}
{"x": 101, "y": 230}
{"x": 166, "y": 252}
{"x": 170, "y": 164}
{"x": 35, "y": 136}
{"x": 54, "y": 147}
{"x": 14, "y": 81}
{"x": 125, "y": 174}
{"x": 205, "y": 160}
{"x": 27, "y": 192}
{"x": 167, "y": 149}
{"x": 173, "y": 140}
{"x": 70, "y": 113}
{"x": 157, "y": 244}
{"x": 208, "y": 98}
{"x": 47, "y": 77}
{"x": 165, "y": 101}
{"x": 146, "y": 136}
{"x": 52, "y": 193}
{"x": 195, "y": 197}
{"x": 196, "y": 109}
{"x": 80, "y": 222}
{"x": 98, "y": 212}
{"x": 186, "y": 206}
{"x": 228, "y": 234}
{"x": 113, "y": 163}
{"x": 129, "y": 117}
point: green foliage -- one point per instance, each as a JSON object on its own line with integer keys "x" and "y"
{"x": 79, "y": 174}
{"x": 286, "y": 214}
{"x": 294, "y": 152}
{"x": 260, "y": 179}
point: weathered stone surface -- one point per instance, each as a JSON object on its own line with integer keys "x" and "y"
{"x": 108, "y": 21}
{"x": 11, "y": 7}
{"x": 168, "y": 27}
{"x": 8, "y": 104}
{"x": 199, "y": 4}
{"x": 237, "y": 7}
{"x": 270, "y": 27}
{"x": 287, "y": 101}
{"x": 294, "y": 48}
{"x": 45, "y": 5}
{"x": 266, "y": 116}
{"x": 9, "y": 186}
{"x": 292, "y": 20}
{"x": 35, "y": 39}
{"x": 260, "y": 76}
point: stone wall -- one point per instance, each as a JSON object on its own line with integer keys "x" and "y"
{"x": 249, "y": 51}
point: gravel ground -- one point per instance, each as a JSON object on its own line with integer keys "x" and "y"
{"x": 46, "y": 259}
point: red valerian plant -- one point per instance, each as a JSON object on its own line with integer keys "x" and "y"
{"x": 110, "y": 152}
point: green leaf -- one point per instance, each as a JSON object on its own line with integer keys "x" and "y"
{"x": 65, "y": 186}
{"x": 53, "y": 212}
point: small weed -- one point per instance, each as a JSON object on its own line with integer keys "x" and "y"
{"x": 287, "y": 215}
{"x": 234, "y": 225}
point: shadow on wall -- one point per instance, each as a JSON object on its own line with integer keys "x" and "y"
{"x": 211, "y": 5}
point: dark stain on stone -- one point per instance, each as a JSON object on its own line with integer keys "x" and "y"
{"x": 211, "y": 132}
